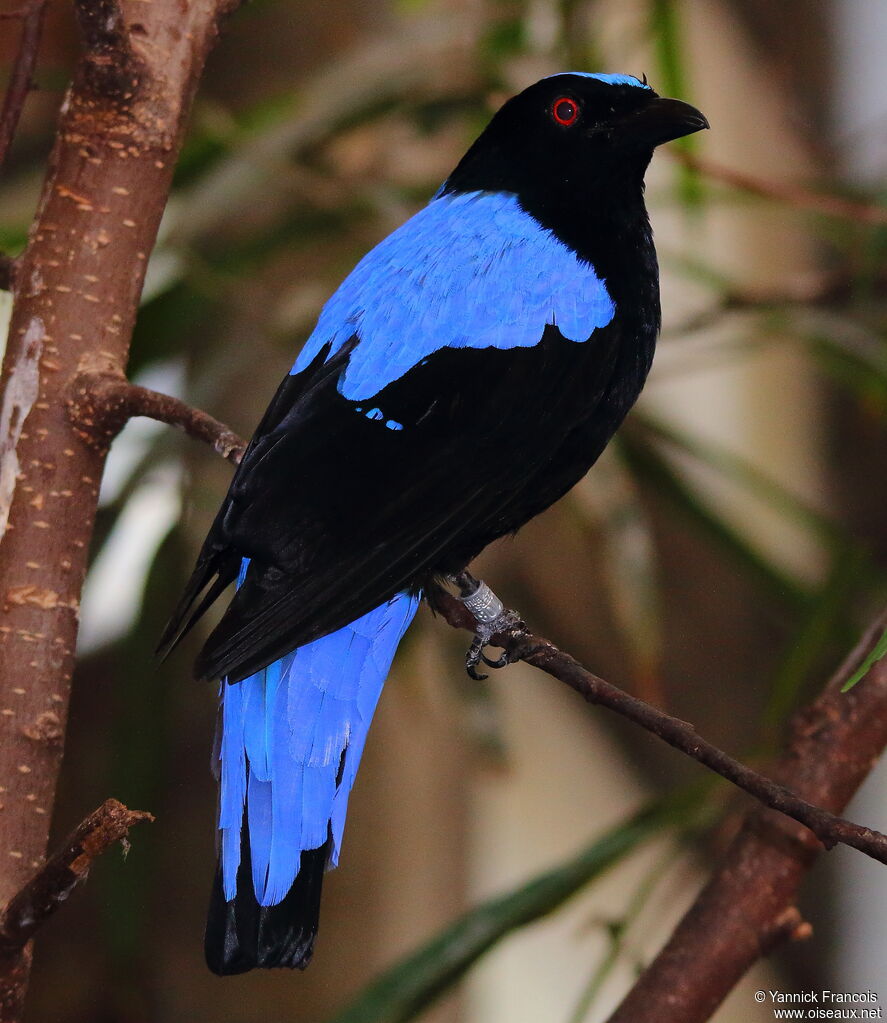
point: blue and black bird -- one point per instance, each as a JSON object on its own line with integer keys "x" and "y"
{"x": 464, "y": 376}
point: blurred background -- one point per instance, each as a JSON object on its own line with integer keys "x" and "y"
{"x": 719, "y": 560}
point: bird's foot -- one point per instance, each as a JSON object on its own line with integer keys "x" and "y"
{"x": 492, "y": 618}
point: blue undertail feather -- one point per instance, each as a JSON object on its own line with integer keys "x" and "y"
{"x": 292, "y": 738}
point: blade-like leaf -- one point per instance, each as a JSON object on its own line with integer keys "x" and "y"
{"x": 608, "y": 500}
{"x": 749, "y": 476}
{"x": 618, "y": 932}
{"x": 877, "y": 653}
{"x": 650, "y": 465}
{"x": 824, "y": 625}
{"x": 416, "y": 981}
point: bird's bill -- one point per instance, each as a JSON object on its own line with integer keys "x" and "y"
{"x": 662, "y": 120}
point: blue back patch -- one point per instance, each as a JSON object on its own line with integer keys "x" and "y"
{"x": 467, "y": 271}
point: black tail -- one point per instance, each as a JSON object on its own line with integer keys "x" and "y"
{"x": 241, "y": 935}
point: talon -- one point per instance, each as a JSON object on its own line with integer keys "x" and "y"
{"x": 473, "y": 658}
{"x": 492, "y": 619}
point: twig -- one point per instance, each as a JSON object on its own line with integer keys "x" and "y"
{"x": 735, "y": 920}
{"x": 144, "y": 402}
{"x": 523, "y": 645}
{"x": 50, "y": 886}
{"x": 825, "y": 289}
{"x": 22, "y": 71}
{"x": 102, "y": 402}
{"x": 794, "y": 195}
{"x": 57, "y": 878}
{"x": 118, "y": 398}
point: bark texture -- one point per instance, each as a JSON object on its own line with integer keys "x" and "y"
{"x": 77, "y": 288}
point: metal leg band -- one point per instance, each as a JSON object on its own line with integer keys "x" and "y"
{"x": 484, "y": 604}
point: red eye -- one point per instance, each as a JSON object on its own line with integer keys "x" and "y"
{"x": 565, "y": 111}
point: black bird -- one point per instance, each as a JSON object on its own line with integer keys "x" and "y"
{"x": 464, "y": 376}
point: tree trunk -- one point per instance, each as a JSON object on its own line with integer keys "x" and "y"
{"x": 77, "y": 291}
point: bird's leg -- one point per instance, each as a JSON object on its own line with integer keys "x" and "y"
{"x": 492, "y": 618}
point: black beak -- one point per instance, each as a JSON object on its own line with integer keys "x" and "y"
{"x": 661, "y": 120}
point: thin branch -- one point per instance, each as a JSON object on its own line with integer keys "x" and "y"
{"x": 57, "y": 878}
{"x": 523, "y": 645}
{"x": 824, "y": 289}
{"x": 20, "y": 79}
{"x": 141, "y": 401}
{"x": 101, "y": 403}
{"x": 794, "y": 195}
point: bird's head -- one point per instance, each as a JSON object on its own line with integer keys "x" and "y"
{"x": 572, "y": 131}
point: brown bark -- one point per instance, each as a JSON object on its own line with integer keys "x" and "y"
{"x": 76, "y": 293}
{"x": 116, "y": 400}
{"x": 832, "y": 746}
{"x": 52, "y": 883}
{"x": 47, "y": 889}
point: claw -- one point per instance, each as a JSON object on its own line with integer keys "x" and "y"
{"x": 473, "y": 657}
{"x": 492, "y": 619}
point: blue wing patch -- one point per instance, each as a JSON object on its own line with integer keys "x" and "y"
{"x": 468, "y": 271}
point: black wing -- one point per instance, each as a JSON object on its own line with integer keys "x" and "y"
{"x": 339, "y": 509}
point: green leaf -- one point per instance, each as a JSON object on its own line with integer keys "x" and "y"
{"x": 609, "y": 502}
{"x": 876, "y": 654}
{"x": 822, "y": 628}
{"x": 618, "y": 933}
{"x": 653, "y": 468}
{"x": 417, "y": 980}
{"x": 753, "y": 479}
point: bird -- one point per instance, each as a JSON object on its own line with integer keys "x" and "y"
{"x": 464, "y": 376}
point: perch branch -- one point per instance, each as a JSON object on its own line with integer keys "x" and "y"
{"x": 51, "y": 885}
{"x": 523, "y": 645}
{"x": 20, "y": 78}
{"x": 793, "y": 195}
{"x": 832, "y": 746}
{"x": 101, "y": 403}
{"x": 141, "y": 401}
{"x": 113, "y": 393}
